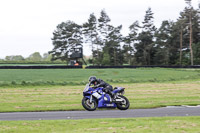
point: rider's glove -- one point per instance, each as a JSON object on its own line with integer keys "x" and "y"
{"x": 96, "y": 86}
{"x": 90, "y": 84}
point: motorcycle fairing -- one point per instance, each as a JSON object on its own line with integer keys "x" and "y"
{"x": 104, "y": 102}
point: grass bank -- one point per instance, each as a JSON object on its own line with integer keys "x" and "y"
{"x": 35, "y": 77}
{"x": 136, "y": 125}
{"x": 146, "y": 95}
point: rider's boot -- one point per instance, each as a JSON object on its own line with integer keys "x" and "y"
{"x": 111, "y": 94}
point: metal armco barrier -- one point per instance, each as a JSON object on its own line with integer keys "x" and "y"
{"x": 90, "y": 67}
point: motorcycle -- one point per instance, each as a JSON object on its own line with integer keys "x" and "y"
{"x": 95, "y": 98}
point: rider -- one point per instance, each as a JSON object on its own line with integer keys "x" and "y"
{"x": 100, "y": 83}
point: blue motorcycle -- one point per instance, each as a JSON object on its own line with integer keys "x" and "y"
{"x": 95, "y": 98}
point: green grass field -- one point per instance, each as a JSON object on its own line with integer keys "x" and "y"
{"x": 56, "y": 89}
{"x": 145, "y": 95}
{"x": 129, "y": 125}
{"x": 80, "y": 76}
{"x": 61, "y": 89}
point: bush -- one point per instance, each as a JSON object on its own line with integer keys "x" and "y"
{"x": 13, "y": 83}
{"x": 23, "y": 83}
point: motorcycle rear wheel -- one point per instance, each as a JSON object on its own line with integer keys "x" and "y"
{"x": 87, "y": 105}
{"x": 123, "y": 105}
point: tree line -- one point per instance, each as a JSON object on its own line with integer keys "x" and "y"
{"x": 173, "y": 43}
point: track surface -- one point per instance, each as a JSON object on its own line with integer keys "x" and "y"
{"x": 158, "y": 112}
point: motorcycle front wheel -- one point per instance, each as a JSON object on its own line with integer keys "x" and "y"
{"x": 124, "y": 105}
{"x": 87, "y": 105}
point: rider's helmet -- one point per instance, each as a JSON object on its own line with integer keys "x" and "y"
{"x": 92, "y": 79}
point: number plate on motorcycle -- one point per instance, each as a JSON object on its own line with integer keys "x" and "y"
{"x": 109, "y": 105}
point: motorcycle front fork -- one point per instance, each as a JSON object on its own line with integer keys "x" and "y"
{"x": 91, "y": 99}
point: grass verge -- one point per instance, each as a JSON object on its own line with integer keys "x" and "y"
{"x": 136, "y": 125}
{"x": 146, "y": 95}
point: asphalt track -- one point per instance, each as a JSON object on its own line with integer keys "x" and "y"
{"x": 131, "y": 113}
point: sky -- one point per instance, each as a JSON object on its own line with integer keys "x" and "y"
{"x": 26, "y": 26}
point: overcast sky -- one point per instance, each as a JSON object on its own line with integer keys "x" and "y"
{"x": 26, "y": 26}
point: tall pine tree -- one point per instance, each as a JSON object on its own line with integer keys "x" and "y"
{"x": 65, "y": 37}
{"x": 91, "y": 34}
{"x": 129, "y": 42}
{"x": 112, "y": 46}
{"x": 163, "y": 45}
{"x": 189, "y": 14}
{"x": 144, "y": 48}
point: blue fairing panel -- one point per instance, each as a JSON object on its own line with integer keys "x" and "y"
{"x": 118, "y": 90}
{"x": 105, "y": 102}
{"x": 88, "y": 97}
